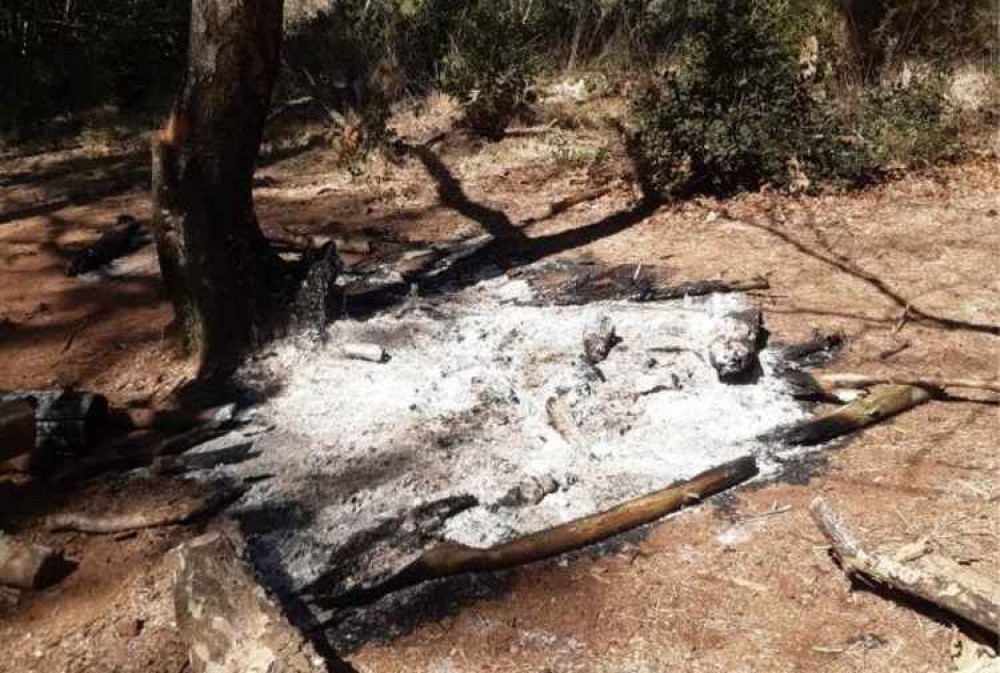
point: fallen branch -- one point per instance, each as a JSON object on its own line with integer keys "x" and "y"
{"x": 931, "y": 382}
{"x": 450, "y": 558}
{"x": 141, "y": 448}
{"x": 184, "y": 512}
{"x": 28, "y": 566}
{"x": 942, "y": 582}
{"x": 883, "y": 402}
{"x": 228, "y": 620}
{"x": 701, "y": 288}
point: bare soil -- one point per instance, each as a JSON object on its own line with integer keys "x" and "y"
{"x": 741, "y": 584}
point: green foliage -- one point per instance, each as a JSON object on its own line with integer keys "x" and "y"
{"x": 750, "y": 103}
{"x": 490, "y": 66}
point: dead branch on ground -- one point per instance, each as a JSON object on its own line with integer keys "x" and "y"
{"x": 700, "y": 288}
{"x": 940, "y": 581}
{"x": 184, "y": 512}
{"x": 931, "y": 382}
{"x": 450, "y": 559}
{"x": 883, "y": 402}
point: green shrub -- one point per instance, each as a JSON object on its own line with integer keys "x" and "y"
{"x": 490, "y": 66}
{"x": 749, "y": 103}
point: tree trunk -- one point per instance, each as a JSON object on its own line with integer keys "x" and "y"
{"x": 216, "y": 264}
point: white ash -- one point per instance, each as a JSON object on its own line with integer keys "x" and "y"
{"x": 463, "y": 407}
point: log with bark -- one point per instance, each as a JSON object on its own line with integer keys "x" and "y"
{"x": 883, "y": 402}
{"x": 973, "y": 597}
{"x": 450, "y": 559}
{"x": 29, "y": 566}
{"x": 123, "y": 238}
{"x": 228, "y": 620}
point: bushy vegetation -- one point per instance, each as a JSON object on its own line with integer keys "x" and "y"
{"x": 753, "y": 98}
{"x": 731, "y": 107}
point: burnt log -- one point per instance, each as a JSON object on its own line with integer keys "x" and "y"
{"x": 66, "y": 422}
{"x": 123, "y": 238}
{"x": 228, "y": 620}
{"x": 882, "y": 403}
{"x": 17, "y": 428}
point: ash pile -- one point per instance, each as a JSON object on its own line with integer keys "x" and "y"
{"x": 509, "y": 406}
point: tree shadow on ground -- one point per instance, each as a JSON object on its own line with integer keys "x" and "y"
{"x": 873, "y": 281}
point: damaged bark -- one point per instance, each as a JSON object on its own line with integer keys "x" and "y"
{"x": 228, "y": 620}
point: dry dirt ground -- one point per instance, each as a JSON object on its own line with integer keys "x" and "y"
{"x": 741, "y": 584}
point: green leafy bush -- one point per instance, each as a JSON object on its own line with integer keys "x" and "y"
{"x": 490, "y": 66}
{"x": 752, "y": 101}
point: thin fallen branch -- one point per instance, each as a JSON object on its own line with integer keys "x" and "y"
{"x": 932, "y": 382}
{"x": 883, "y": 402}
{"x": 942, "y": 582}
{"x": 450, "y": 559}
{"x": 185, "y": 512}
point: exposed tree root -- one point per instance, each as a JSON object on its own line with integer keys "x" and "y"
{"x": 450, "y": 559}
{"x": 941, "y": 581}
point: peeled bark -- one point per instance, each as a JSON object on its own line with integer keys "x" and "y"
{"x": 216, "y": 264}
{"x": 230, "y": 623}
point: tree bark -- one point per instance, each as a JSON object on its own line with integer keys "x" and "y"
{"x": 216, "y": 264}
{"x": 230, "y": 623}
